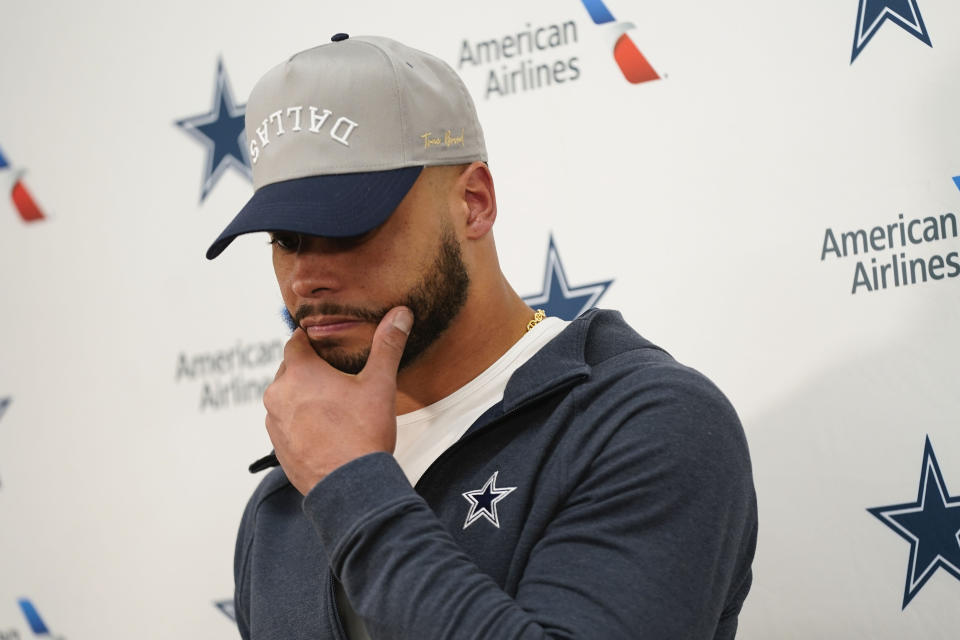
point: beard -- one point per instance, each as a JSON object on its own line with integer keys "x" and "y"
{"x": 435, "y": 301}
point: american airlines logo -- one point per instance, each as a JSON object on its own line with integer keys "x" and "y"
{"x": 11, "y": 181}
{"x": 633, "y": 64}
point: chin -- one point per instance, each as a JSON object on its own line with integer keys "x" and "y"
{"x": 340, "y": 358}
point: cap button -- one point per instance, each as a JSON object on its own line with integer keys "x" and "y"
{"x": 337, "y": 37}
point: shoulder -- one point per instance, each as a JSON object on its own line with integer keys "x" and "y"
{"x": 656, "y": 401}
{"x": 616, "y": 353}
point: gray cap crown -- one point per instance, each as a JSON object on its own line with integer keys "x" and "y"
{"x": 356, "y": 105}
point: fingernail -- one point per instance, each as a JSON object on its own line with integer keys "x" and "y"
{"x": 403, "y": 320}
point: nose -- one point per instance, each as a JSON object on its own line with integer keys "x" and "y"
{"x": 312, "y": 273}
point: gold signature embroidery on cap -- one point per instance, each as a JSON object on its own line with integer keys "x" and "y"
{"x": 448, "y": 139}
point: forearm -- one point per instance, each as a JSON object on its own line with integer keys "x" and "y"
{"x": 400, "y": 568}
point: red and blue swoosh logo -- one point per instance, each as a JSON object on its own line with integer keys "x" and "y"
{"x": 22, "y": 199}
{"x": 633, "y": 64}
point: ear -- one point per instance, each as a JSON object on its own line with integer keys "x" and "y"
{"x": 476, "y": 185}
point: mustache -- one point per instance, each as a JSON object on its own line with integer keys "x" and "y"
{"x": 334, "y": 309}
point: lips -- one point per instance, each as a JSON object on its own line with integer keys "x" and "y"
{"x": 324, "y": 326}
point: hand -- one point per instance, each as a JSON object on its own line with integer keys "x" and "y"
{"x": 320, "y": 418}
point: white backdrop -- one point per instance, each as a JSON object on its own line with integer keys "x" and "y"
{"x": 131, "y": 365}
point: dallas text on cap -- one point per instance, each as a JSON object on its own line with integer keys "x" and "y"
{"x": 317, "y": 119}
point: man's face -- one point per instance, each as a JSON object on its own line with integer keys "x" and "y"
{"x": 338, "y": 290}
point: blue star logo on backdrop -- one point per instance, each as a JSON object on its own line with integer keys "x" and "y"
{"x": 956, "y": 181}
{"x": 871, "y": 14}
{"x": 558, "y": 298}
{"x": 931, "y": 525}
{"x": 220, "y": 130}
{"x": 483, "y": 501}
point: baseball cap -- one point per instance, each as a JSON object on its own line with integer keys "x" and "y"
{"x": 338, "y": 134}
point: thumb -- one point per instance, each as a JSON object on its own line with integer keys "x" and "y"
{"x": 389, "y": 341}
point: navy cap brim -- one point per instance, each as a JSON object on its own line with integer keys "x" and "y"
{"x": 334, "y": 206}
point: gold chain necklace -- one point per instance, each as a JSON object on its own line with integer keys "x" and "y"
{"x": 539, "y": 315}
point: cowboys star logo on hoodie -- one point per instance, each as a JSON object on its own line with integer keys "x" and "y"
{"x": 483, "y": 501}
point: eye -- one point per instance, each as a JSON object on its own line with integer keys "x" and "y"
{"x": 285, "y": 240}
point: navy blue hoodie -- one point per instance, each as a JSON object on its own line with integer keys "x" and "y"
{"x": 609, "y": 495}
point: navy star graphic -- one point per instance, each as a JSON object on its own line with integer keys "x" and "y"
{"x": 871, "y": 14}
{"x": 931, "y": 525}
{"x": 956, "y": 181}
{"x": 558, "y": 298}
{"x": 483, "y": 501}
{"x": 220, "y": 130}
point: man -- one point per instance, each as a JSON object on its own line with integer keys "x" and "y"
{"x": 453, "y": 465}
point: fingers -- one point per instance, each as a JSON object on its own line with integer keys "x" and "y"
{"x": 389, "y": 341}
